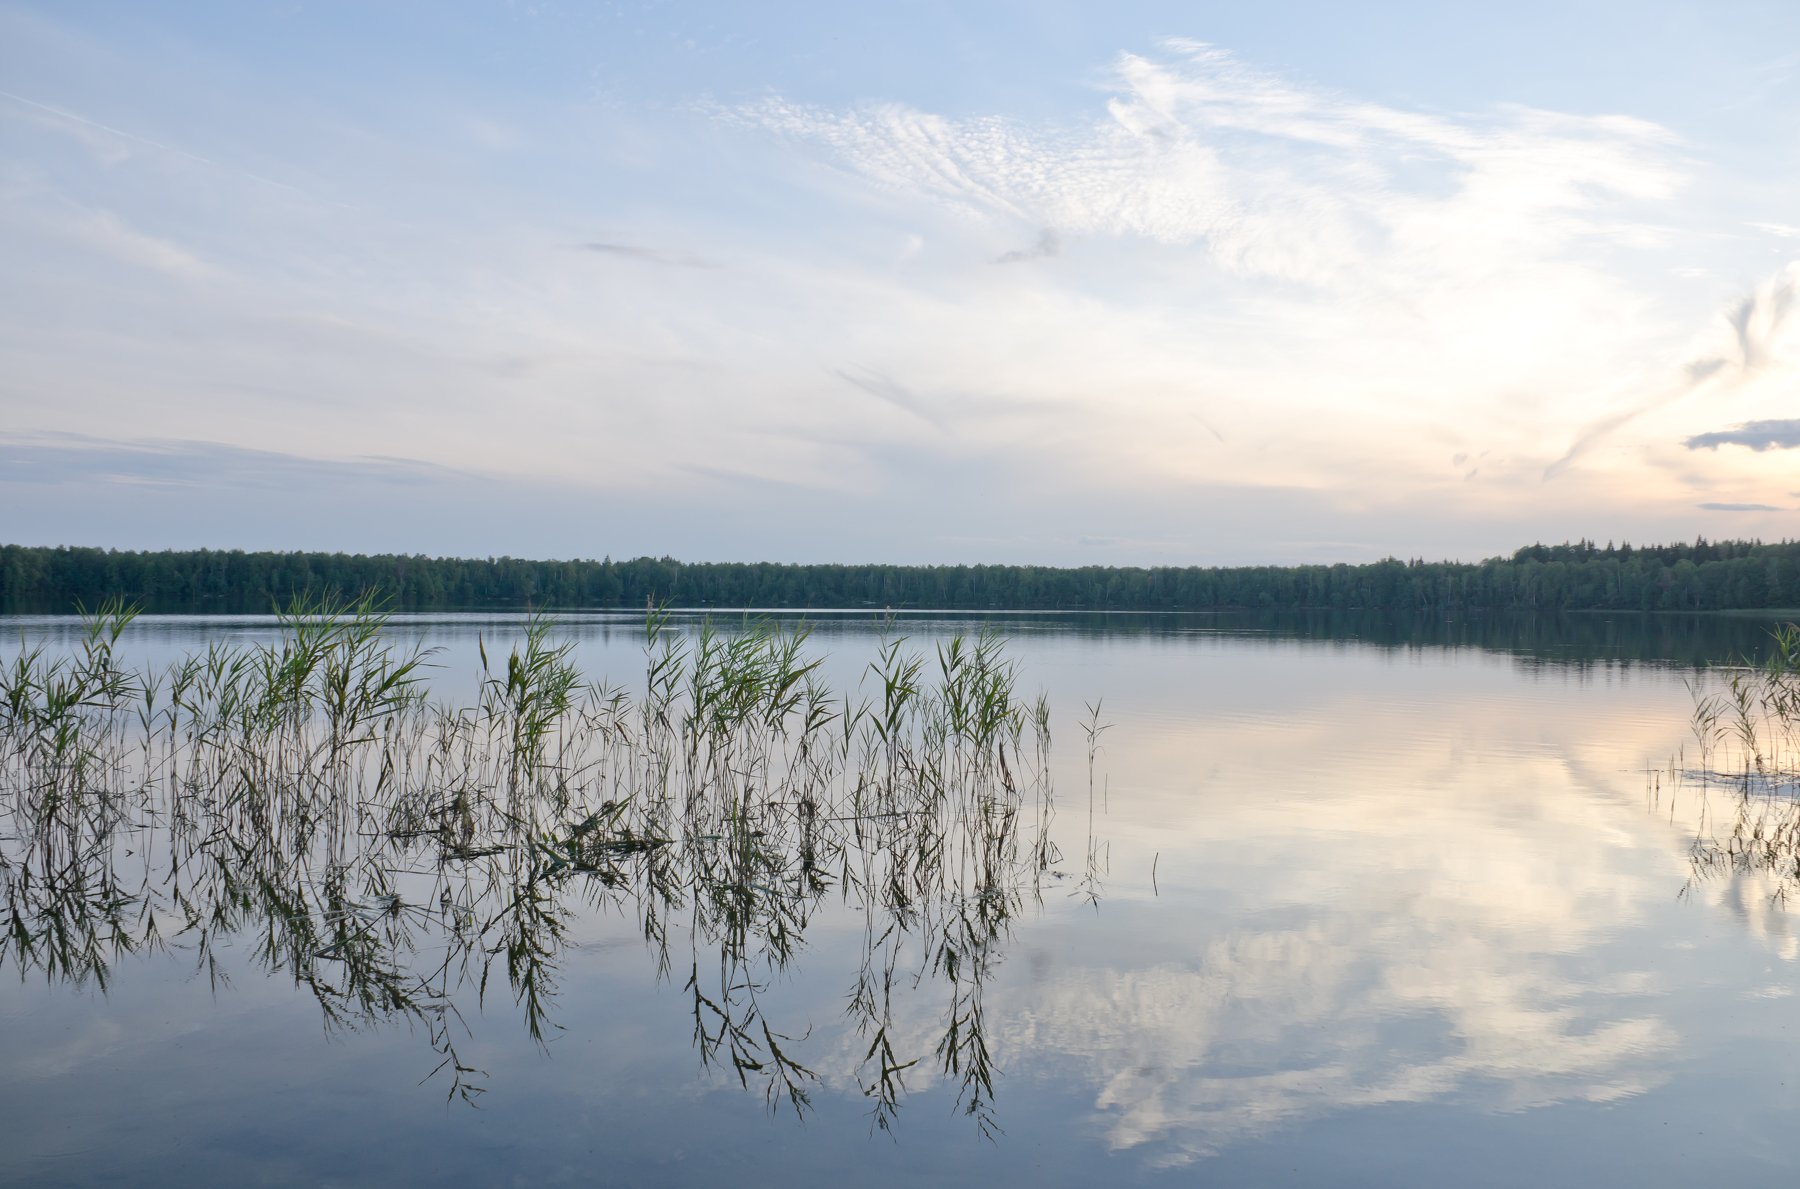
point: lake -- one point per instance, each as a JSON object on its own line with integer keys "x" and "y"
{"x": 1280, "y": 900}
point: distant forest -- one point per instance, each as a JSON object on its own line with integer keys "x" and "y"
{"x": 1703, "y": 576}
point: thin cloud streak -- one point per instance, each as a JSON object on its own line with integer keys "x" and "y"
{"x": 885, "y": 389}
{"x": 70, "y": 117}
{"x": 650, "y": 255}
{"x": 64, "y": 458}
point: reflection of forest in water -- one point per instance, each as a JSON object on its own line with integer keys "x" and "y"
{"x": 1576, "y": 640}
{"x": 402, "y": 860}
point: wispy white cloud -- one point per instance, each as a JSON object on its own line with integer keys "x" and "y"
{"x": 1275, "y": 179}
{"x": 1339, "y": 287}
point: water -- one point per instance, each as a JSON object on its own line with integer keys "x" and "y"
{"x": 1350, "y": 902}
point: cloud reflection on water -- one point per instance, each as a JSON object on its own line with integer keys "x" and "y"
{"x": 1443, "y": 897}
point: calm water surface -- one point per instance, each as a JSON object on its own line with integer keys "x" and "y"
{"x": 1347, "y": 903}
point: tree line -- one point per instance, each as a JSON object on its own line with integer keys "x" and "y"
{"x": 1702, "y": 576}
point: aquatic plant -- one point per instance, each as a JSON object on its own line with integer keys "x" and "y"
{"x": 1746, "y": 724}
{"x": 401, "y": 859}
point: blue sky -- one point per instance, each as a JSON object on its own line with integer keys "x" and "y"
{"x": 1078, "y": 283}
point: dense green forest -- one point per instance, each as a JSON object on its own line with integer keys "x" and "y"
{"x": 1582, "y": 576}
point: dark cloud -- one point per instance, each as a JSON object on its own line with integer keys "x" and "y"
{"x": 1048, "y": 244}
{"x": 1739, "y": 508}
{"x": 60, "y": 458}
{"x": 648, "y": 255}
{"x": 1757, "y": 435}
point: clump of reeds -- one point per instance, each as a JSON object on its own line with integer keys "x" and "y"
{"x": 305, "y": 798}
{"x": 1746, "y": 724}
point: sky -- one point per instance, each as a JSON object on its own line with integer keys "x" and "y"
{"x": 1058, "y": 283}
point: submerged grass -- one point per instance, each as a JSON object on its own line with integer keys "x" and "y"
{"x": 401, "y": 859}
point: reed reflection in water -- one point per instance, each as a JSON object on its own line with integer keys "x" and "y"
{"x": 1739, "y": 786}
{"x": 403, "y": 860}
